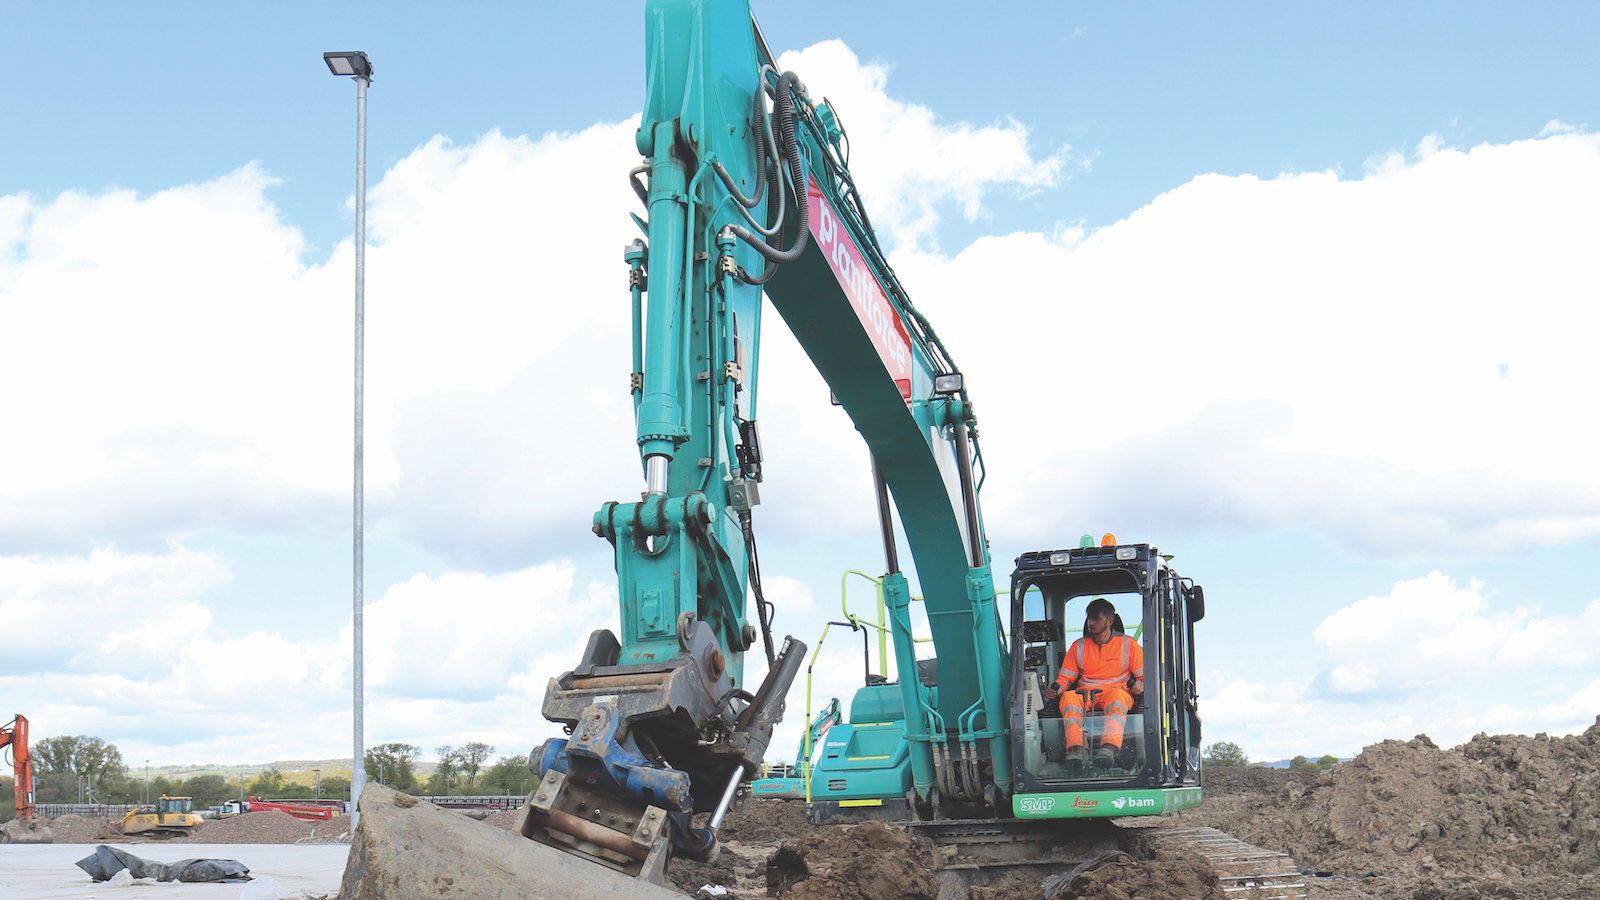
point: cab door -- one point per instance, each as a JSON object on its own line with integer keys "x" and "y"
{"x": 1180, "y": 721}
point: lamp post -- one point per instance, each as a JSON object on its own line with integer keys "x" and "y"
{"x": 355, "y": 64}
{"x": 147, "y": 781}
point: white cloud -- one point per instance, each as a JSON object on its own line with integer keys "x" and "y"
{"x": 129, "y": 650}
{"x": 1429, "y": 632}
{"x": 1556, "y": 126}
{"x": 1390, "y": 362}
{"x": 1429, "y": 657}
{"x": 904, "y": 160}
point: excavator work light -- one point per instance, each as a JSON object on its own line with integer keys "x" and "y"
{"x": 947, "y": 384}
{"x": 1126, "y": 553}
{"x": 1060, "y": 558}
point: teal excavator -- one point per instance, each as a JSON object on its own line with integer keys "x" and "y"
{"x": 746, "y": 189}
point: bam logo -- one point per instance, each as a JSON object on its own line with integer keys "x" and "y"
{"x": 1038, "y": 804}
{"x": 1135, "y": 802}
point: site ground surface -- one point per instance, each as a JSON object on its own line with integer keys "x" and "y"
{"x": 47, "y": 871}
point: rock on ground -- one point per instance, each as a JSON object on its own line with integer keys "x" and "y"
{"x": 405, "y": 849}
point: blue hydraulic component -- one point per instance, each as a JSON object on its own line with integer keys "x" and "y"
{"x": 598, "y": 760}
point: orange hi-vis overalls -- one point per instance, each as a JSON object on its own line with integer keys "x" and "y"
{"x": 1103, "y": 669}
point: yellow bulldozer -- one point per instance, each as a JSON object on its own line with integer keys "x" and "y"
{"x": 169, "y": 817}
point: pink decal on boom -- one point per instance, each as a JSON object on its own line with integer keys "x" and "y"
{"x": 877, "y": 315}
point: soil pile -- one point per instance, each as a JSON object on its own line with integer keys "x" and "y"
{"x": 765, "y": 822}
{"x": 269, "y": 826}
{"x": 505, "y": 820}
{"x": 1504, "y": 816}
{"x": 70, "y": 829}
{"x": 852, "y": 862}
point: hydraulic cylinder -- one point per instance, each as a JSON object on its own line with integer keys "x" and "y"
{"x": 660, "y": 413}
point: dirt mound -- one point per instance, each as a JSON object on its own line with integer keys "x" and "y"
{"x": 765, "y": 822}
{"x": 269, "y": 826}
{"x": 1228, "y": 780}
{"x": 505, "y": 819}
{"x": 690, "y": 876}
{"x": 1503, "y": 816}
{"x": 70, "y": 829}
{"x": 852, "y": 862}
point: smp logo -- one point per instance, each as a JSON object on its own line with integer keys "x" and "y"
{"x": 1038, "y": 805}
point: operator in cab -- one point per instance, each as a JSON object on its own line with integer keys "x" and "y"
{"x": 1095, "y": 674}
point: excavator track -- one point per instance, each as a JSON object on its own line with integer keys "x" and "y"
{"x": 968, "y": 854}
{"x": 1244, "y": 869}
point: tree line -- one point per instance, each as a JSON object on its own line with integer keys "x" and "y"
{"x": 1227, "y": 753}
{"x": 88, "y": 769}
{"x": 459, "y": 770}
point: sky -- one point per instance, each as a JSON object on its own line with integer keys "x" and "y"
{"x": 1304, "y": 296}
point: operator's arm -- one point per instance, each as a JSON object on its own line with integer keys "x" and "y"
{"x": 1136, "y": 663}
{"x": 1069, "y": 673}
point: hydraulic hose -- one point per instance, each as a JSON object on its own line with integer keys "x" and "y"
{"x": 789, "y": 152}
{"x": 761, "y": 125}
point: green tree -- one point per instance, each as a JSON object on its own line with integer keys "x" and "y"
{"x": 1301, "y": 764}
{"x": 8, "y": 801}
{"x": 207, "y": 790}
{"x": 507, "y": 776}
{"x": 1225, "y": 753}
{"x": 82, "y": 756}
{"x": 393, "y": 764}
{"x": 1327, "y": 762}
{"x": 267, "y": 785}
{"x": 445, "y": 771}
{"x": 53, "y": 755}
{"x": 335, "y": 786}
{"x": 471, "y": 758}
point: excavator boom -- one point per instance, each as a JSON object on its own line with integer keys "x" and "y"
{"x": 745, "y": 189}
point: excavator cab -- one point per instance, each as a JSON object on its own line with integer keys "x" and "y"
{"x": 1154, "y": 743}
{"x": 1050, "y": 741}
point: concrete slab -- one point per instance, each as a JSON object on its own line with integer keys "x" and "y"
{"x": 406, "y": 850}
{"x": 46, "y": 871}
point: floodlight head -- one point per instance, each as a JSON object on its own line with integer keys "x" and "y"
{"x": 349, "y": 62}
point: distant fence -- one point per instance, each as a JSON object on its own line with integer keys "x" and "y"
{"x": 87, "y": 810}
{"x": 495, "y": 802}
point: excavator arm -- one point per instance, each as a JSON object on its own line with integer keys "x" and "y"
{"x": 746, "y": 190}
{"x": 14, "y": 743}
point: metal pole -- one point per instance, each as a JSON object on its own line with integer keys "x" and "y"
{"x": 358, "y": 773}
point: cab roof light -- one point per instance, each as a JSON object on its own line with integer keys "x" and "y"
{"x": 1086, "y": 542}
{"x": 1108, "y": 540}
{"x": 1127, "y": 553}
{"x": 1060, "y": 557}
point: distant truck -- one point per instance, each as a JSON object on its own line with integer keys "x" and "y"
{"x": 311, "y": 812}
